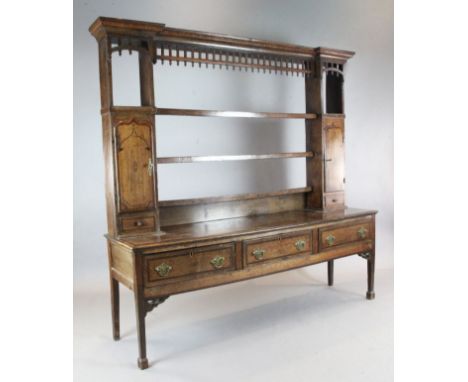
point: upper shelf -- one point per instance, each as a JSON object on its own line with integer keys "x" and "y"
{"x": 167, "y": 44}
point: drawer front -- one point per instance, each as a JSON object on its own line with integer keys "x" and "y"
{"x": 335, "y": 200}
{"x": 259, "y": 250}
{"x": 137, "y": 224}
{"x": 331, "y": 237}
{"x": 189, "y": 262}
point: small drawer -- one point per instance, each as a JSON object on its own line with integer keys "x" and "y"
{"x": 170, "y": 265}
{"x": 335, "y": 200}
{"x": 272, "y": 247}
{"x": 330, "y": 237}
{"x": 137, "y": 224}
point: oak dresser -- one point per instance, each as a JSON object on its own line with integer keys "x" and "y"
{"x": 159, "y": 248}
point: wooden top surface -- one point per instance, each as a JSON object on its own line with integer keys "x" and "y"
{"x": 132, "y": 28}
{"x": 234, "y": 227}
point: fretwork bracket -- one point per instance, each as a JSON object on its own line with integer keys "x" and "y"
{"x": 365, "y": 255}
{"x": 152, "y": 303}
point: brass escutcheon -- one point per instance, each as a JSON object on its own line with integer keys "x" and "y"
{"x": 300, "y": 245}
{"x": 163, "y": 269}
{"x": 258, "y": 253}
{"x": 331, "y": 239}
{"x": 217, "y": 262}
{"x": 362, "y": 232}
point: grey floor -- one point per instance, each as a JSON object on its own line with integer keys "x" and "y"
{"x": 289, "y": 326}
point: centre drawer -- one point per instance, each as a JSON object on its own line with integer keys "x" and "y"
{"x": 281, "y": 245}
{"x": 189, "y": 262}
{"x": 333, "y": 236}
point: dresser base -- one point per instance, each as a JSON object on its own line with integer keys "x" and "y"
{"x": 201, "y": 255}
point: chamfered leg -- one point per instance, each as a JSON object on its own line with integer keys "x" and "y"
{"x": 115, "y": 297}
{"x": 330, "y": 272}
{"x": 140, "y": 310}
{"x": 141, "y": 332}
{"x": 370, "y": 295}
{"x": 115, "y": 307}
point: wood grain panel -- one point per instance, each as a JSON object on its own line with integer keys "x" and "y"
{"x": 277, "y": 246}
{"x": 122, "y": 262}
{"x": 334, "y": 154}
{"x": 189, "y": 262}
{"x": 174, "y": 215}
{"x": 135, "y": 177}
{"x": 314, "y": 166}
{"x": 331, "y": 237}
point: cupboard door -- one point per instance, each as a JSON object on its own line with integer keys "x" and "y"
{"x": 334, "y": 155}
{"x": 135, "y": 166}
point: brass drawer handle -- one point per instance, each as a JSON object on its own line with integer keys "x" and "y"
{"x": 139, "y": 223}
{"x": 258, "y": 253}
{"x": 163, "y": 269}
{"x": 300, "y": 245}
{"x": 217, "y": 262}
{"x": 362, "y": 232}
{"x": 331, "y": 239}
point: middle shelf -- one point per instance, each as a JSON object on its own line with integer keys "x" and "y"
{"x": 232, "y": 114}
{"x": 220, "y": 158}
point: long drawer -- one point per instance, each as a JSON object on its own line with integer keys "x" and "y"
{"x": 334, "y": 236}
{"x": 276, "y": 246}
{"x": 171, "y": 265}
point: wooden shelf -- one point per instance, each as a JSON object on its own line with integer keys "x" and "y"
{"x": 222, "y": 158}
{"x": 207, "y": 113}
{"x": 233, "y": 114}
{"x": 230, "y": 198}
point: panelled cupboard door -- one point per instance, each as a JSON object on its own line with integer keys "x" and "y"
{"x": 135, "y": 166}
{"x": 334, "y": 154}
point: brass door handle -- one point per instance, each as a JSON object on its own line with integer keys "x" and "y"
{"x": 331, "y": 239}
{"x": 258, "y": 253}
{"x": 362, "y": 232}
{"x": 217, "y": 262}
{"x": 300, "y": 245}
{"x": 163, "y": 269}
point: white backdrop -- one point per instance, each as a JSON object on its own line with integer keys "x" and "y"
{"x": 364, "y": 26}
